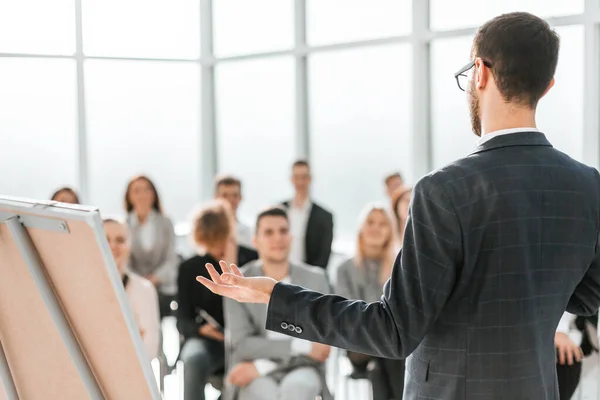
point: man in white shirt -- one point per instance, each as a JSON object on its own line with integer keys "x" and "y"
{"x": 311, "y": 225}
{"x": 257, "y": 355}
{"x": 392, "y": 182}
{"x": 229, "y": 188}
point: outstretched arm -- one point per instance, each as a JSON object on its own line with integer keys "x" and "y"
{"x": 422, "y": 279}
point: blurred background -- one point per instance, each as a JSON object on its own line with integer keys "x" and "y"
{"x": 94, "y": 92}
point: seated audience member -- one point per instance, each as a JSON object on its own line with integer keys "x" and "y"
{"x": 152, "y": 240}
{"x": 229, "y": 188}
{"x": 362, "y": 277}
{"x": 311, "y": 225}
{"x": 393, "y": 182}
{"x": 65, "y": 195}
{"x": 267, "y": 365}
{"x": 200, "y": 313}
{"x": 142, "y": 294}
{"x": 573, "y": 343}
{"x": 400, "y": 203}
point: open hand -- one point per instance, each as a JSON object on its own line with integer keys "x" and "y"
{"x": 568, "y": 351}
{"x": 234, "y": 285}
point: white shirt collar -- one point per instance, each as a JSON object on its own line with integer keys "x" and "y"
{"x": 491, "y": 135}
{"x": 305, "y": 207}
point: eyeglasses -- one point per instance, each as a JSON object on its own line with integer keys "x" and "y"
{"x": 462, "y": 79}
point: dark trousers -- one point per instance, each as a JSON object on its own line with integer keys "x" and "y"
{"x": 202, "y": 358}
{"x": 568, "y": 379}
{"x": 387, "y": 379}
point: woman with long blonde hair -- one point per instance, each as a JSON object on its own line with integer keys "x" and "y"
{"x": 362, "y": 277}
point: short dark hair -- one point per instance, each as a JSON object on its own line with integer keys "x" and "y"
{"x": 272, "y": 212}
{"x": 129, "y": 205}
{"x": 301, "y": 163}
{"x": 523, "y": 52}
{"x": 227, "y": 180}
{"x": 392, "y": 176}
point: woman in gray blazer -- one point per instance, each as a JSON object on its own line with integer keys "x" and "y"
{"x": 152, "y": 240}
{"x": 362, "y": 277}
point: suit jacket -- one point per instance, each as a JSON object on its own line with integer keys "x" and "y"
{"x": 161, "y": 259}
{"x": 497, "y": 245}
{"x": 246, "y": 336}
{"x": 319, "y": 235}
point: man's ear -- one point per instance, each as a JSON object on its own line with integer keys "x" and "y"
{"x": 482, "y": 74}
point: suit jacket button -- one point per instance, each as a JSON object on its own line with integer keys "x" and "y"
{"x": 298, "y": 330}
{"x": 284, "y": 325}
{"x": 291, "y": 328}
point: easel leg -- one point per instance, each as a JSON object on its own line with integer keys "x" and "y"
{"x": 34, "y": 265}
{"x": 6, "y": 376}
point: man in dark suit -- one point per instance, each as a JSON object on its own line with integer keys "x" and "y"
{"x": 311, "y": 225}
{"x": 497, "y": 245}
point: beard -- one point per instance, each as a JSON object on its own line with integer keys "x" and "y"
{"x": 474, "y": 110}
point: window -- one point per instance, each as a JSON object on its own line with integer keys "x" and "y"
{"x": 142, "y": 28}
{"x": 38, "y": 126}
{"x": 452, "y": 134}
{"x": 360, "y": 127}
{"x": 37, "y": 26}
{"x": 458, "y": 14}
{"x": 564, "y": 129}
{"x": 336, "y": 21}
{"x": 255, "y": 117}
{"x": 451, "y": 129}
{"x": 143, "y": 118}
{"x": 256, "y": 26}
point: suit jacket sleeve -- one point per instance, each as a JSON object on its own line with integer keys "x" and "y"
{"x": 243, "y": 340}
{"x": 422, "y": 280}
{"x": 586, "y": 298}
{"x": 326, "y": 241}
